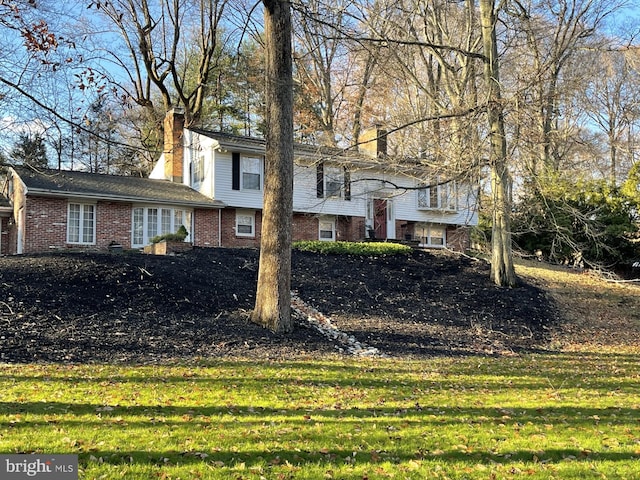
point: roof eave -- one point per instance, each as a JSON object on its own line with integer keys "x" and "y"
{"x": 234, "y": 147}
{"x": 214, "y": 204}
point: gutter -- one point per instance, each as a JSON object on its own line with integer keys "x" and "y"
{"x": 214, "y": 204}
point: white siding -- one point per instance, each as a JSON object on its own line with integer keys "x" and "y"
{"x": 305, "y": 196}
{"x": 251, "y": 199}
{"x": 158, "y": 170}
{"x": 405, "y": 201}
{"x": 195, "y": 146}
{"x": 365, "y": 184}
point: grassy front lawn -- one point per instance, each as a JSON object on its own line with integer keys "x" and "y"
{"x": 572, "y": 415}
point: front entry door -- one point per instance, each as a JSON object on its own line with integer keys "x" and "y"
{"x": 380, "y": 217}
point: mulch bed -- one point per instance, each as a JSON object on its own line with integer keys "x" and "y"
{"x": 134, "y": 308}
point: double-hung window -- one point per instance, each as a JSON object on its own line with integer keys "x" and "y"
{"x": 81, "y": 224}
{"x": 245, "y": 223}
{"x": 327, "y": 229}
{"x": 198, "y": 170}
{"x": 438, "y": 197}
{"x": 333, "y": 182}
{"x": 149, "y": 222}
{"x": 246, "y": 172}
{"x": 251, "y": 173}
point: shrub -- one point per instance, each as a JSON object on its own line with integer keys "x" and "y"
{"x": 179, "y": 236}
{"x": 352, "y": 248}
{"x": 563, "y": 217}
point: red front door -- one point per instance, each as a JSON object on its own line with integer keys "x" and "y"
{"x": 380, "y": 217}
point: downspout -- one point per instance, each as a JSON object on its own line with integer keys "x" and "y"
{"x": 214, "y": 149}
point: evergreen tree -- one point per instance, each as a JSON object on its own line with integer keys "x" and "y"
{"x": 30, "y": 150}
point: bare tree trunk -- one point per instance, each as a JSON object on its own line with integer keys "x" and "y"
{"x": 273, "y": 295}
{"x": 502, "y": 269}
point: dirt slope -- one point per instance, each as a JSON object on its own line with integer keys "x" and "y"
{"x": 99, "y": 307}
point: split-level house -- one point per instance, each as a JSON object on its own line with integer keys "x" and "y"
{"x": 212, "y": 183}
{"x": 337, "y": 194}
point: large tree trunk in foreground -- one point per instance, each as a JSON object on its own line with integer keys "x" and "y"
{"x": 502, "y": 269}
{"x": 273, "y": 295}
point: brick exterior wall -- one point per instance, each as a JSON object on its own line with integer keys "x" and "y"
{"x": 350, "y": 229}
{"x": 206, "y": 228}
{"x": 404, "y": 228}
{"x": 46, "y": 226}
{"x": 228, "y": 230}
{"x": 459, "y": 238}
{"x": 113, "y": 224}
{"x": 304, "y": 226}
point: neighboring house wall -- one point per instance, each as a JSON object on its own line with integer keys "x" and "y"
{"x": 4, "y": 235}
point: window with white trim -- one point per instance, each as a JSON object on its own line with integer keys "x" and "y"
{"x": 431, "y": 235}
{"x": 327, "y": 229}
{"x": 245, "y": 223}
{"x": 333, "y": 182}
{"x": 251, "y": 173}
{"x": 198, "y": 169}
{"x": 149, "y": 222}
{"x": 438, "y": 197}
{"x": 81, "y": 224}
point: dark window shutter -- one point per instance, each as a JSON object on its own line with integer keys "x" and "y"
{"x": 347, "y": 184}
{"x": 235, "y": 171}
{"x": 320, "y": 180}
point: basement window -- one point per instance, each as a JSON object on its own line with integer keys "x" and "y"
{"x": 327, "y": 229}
{"x": 245, "y": 223}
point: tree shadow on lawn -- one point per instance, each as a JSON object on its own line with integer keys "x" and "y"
{"x": 330, "y": 457}
{"x": 405, "y": 433}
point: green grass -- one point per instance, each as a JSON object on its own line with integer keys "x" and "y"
{"x": 565, "y": 416}
{"x": 352, "y": 248}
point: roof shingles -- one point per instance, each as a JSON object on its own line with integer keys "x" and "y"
{"x": 111, "y": 187}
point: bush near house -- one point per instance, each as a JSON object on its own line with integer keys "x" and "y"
{"x": 179, "y": 236}
{"x": 352, "y": 248}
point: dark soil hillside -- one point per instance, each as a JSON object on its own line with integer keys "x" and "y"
{"x": 93, "y": 307}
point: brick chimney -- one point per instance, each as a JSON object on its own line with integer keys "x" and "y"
{"x": 373, "y": 142}
{"x": 173, "y": 149}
